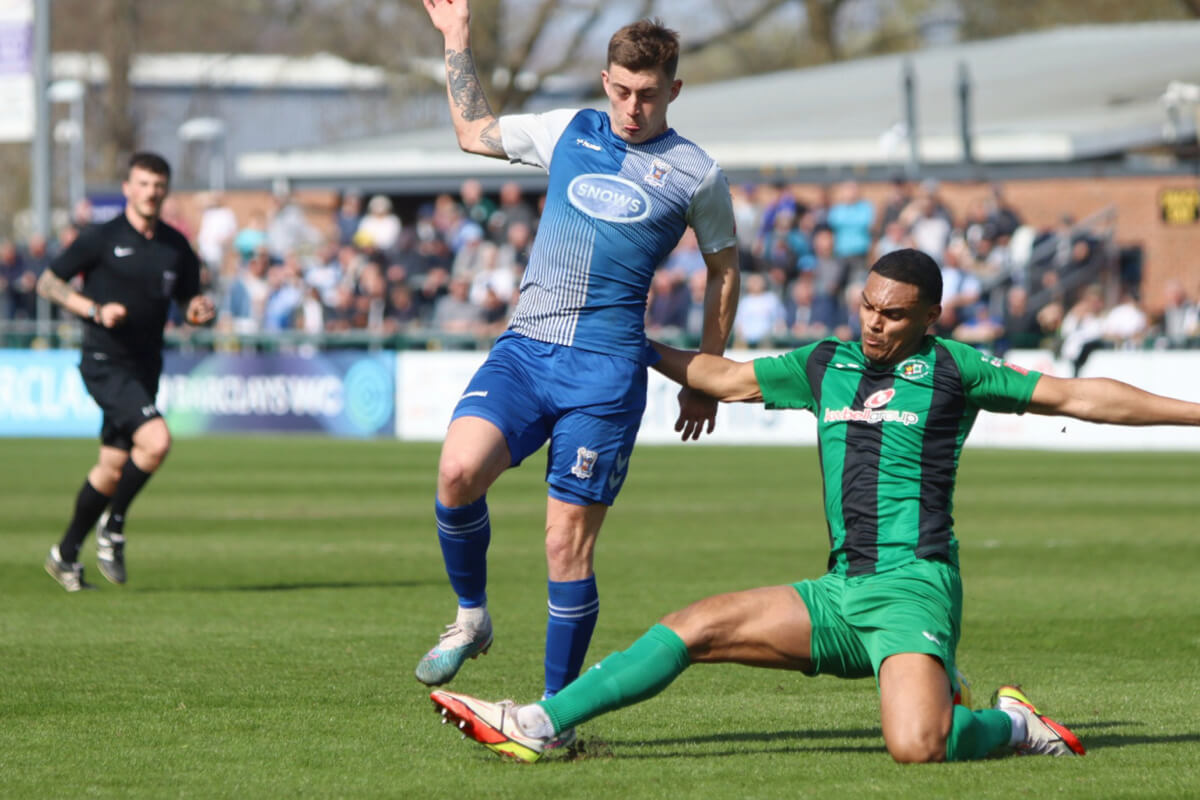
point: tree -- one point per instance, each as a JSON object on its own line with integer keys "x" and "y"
{"x": 520, "y": 44}
{"x": 118, "y": 129}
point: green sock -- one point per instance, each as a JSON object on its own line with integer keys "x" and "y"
{"x": 622, "y": 679}
{"x": 974, "y": 734}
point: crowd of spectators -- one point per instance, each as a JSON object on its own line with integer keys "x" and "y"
{"x": 454, "y": 269}
{"x": 805, "y": 259}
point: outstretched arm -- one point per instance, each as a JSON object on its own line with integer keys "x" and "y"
{"x": 698, "y": 412}
{"x": 717, "y": 376}
{"x": 1109, "y": 401}
{"x": 477, "y": 128}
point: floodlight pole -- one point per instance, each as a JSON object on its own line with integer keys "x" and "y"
{"x": 964, "y": 112}
{"x": 40, "y": 175}
{"x": 910, "y": 117}
{"x": 211, "y": 132}
{"x": 73, "y": 93}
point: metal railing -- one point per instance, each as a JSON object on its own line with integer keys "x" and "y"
{"x": 67, "y": 333}
{"x": 1099, "y": 227}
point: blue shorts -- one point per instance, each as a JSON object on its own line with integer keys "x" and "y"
{"x": 589, "y": 405}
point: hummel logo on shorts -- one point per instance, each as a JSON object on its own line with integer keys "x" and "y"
{"x": 620, "y": 466}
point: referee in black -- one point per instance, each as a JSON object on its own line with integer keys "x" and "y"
{"x": 133, "y": 267}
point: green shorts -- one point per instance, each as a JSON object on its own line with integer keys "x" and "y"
{"x": 858, "y": 622}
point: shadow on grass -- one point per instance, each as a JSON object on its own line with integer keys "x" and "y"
{"x": 1093, "y": 741}
{"x": 1125, "y": 740}
{"x": 296, "y": 586}
{"x": 806, "y": 741}
{"x": 763, "y": 736}
{"x": 794, "y": 740}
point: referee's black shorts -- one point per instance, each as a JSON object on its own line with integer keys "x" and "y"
{"x": 125, "y": 393}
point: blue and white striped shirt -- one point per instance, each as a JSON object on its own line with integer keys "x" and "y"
{"x": 614, "y": 210}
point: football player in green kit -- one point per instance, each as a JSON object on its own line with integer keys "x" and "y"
{"x": 893, "y": 411}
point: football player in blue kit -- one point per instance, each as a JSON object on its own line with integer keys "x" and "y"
{"x": 571, "y": 368}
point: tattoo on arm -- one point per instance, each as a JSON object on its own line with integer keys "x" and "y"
{"x": 465, "y": 90}
{"x": 53, "y": 288}
{"x": 490, "y": 138}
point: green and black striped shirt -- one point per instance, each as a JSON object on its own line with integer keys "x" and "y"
{"x": 890, "y": 438}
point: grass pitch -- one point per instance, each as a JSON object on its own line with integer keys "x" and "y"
{"x": 282, "y": 589}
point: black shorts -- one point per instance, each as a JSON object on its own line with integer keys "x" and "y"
{"x": 125, "y": 393}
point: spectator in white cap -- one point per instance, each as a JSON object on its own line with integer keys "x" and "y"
{"x": 379, "y": 228}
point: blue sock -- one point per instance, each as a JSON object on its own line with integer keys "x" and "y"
{"x": 574, "y": 607}
{"x": 464, "y": 533}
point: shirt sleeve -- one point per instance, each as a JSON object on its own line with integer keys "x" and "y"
{"x": 188, "y": 285}
{"x": 992, "y": 383}
{"x": 783, "y": 380}
{"x": 81, "y": 256}
{"x": 711, "y": 213}
{"x": 530, "y": 138}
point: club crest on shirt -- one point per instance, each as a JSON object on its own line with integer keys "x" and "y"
{"x": 585, "y": 462}
{"x": 168, "y": 282}
{"x": 912, "y": 370}
{"x": 657, "y": 176}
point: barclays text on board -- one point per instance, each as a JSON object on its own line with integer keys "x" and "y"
{"x": 37, "y": 392}
{"x": 342, "y": 394}
{"x": 253, "y": 395}
{"x": 41, "y": 394}
{"x": 411, "y": 395}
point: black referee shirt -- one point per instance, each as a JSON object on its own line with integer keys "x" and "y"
{"x": 120, "y": 265}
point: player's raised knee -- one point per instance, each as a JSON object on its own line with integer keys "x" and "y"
{"x": 457, "y": 477}
{"x": 917, "y": 748}
{"x": 151, "y": 443}
{"x": 160, "y": 448}
{"x": 154, "y": 447}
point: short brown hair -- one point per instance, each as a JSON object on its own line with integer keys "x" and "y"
{"x": 647, "y": 44}
{"x": 151, "y": 162}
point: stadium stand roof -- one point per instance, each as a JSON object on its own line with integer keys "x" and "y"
{"x": 1061, "y": 96}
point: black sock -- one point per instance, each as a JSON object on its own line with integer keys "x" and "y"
{"x": 131, "y": 482}
{"x": 89, "y": 505}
